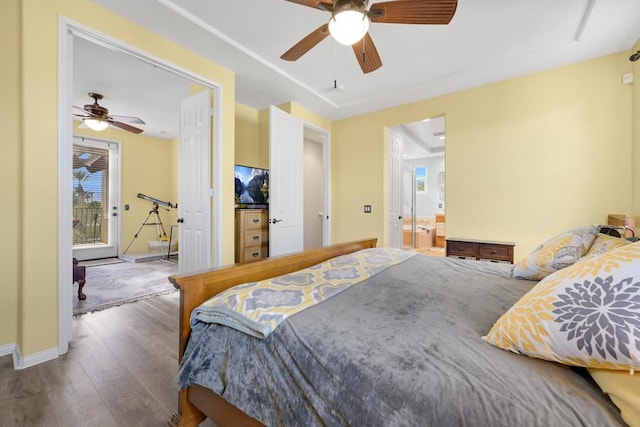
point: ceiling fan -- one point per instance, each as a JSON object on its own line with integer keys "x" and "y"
{"x": 97, "y": 117}
{"x": 349, "y": 24}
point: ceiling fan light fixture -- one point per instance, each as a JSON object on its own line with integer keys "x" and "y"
{"x": 96, "y": 124}
{"x": 349, "y": 26}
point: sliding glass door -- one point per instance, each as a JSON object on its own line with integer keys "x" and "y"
{"x": 95, "y": 198}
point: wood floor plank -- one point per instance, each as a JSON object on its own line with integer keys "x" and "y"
{"x": 119, "y": 371}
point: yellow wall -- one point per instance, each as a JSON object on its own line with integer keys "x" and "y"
{"x": 38, "y": 302}
{"x": 146, "y": 167}
{"x": 525, "y": 158}
{"x": 10, "y": 214}
{"x": 249, "y": 151}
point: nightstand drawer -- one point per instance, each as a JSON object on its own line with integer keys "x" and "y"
{"x": 254, "y": 220}
{"x": 253, "y": 254}
{"x": 253, "y": 238}
{"x": 496, "y": 252}
{"x": 465, "y": 249}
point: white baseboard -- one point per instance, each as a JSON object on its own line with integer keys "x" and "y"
{"x": 22, "y": 362}
{"x": 7, "y": 349}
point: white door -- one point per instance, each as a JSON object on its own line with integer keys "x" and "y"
{"x": 96, "y": 178}
{"x": 194, "y": 186}
{"x": 285, "y": 183}
{"x": 394, "y": 208}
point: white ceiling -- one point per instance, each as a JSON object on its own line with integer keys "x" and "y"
{"x": 486, "y": 41}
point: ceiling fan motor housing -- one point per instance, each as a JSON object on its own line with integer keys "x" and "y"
{"x": 95, "y": 108}
{"x": 344, "y": 5}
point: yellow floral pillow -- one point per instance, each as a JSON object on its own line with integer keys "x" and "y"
{"x": 587, "y": 314}
{"x": 624, "y": 391}
{"x": 604, "y": 243}
{"x": 556, "y": 253}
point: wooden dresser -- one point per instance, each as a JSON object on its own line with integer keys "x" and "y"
{"x": 252, "y": 234}
{"x": 484, "y": 250}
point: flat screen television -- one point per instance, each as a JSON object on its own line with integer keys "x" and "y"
{"x": 252, "y": 187}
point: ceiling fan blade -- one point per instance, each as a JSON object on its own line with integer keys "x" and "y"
{"x": 316, "y": 4}
{"x": 125, "y": 126}
{"x": 307, "y": 43}
{"x": 128, "y": 119}
{"x": 367, "y": 54}
{"x": 413, "y": 12}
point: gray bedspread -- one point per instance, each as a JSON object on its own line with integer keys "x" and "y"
{"x": 403, "y": 348}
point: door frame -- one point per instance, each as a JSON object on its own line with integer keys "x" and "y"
{"x": 389, "y": 193}
{"x": 412, "y": 172}
{"x": 115, "y": 182}
{"x": 67, "y": 29}
{"x": 326, "y": 168}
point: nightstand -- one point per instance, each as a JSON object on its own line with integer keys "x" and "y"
{"x": 483, "y": 250}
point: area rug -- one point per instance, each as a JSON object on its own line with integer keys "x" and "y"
{"x": 125, "y": 282}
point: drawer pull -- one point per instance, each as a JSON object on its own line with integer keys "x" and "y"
{"x": 493, "y": 252}
{"x": 258, "y": 237}
{"x": 255, "y": 254}
{"x": 256, "y": 220}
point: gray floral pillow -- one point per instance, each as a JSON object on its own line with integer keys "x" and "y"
{"x": 587, "y": 314}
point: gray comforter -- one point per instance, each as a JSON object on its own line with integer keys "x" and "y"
{"x": 403, "y": 348}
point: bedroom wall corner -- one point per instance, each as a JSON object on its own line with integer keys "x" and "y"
{"x": 10, "y": 190}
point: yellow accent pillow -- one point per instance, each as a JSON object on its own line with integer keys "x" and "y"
{"x": 604, "y": 243}
{"x": 587, "y": 314}
{"x": 624, "y": 391}
{"x": 556, "y": 253}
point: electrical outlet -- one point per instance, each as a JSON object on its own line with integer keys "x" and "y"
{"x": 367, "y": 208}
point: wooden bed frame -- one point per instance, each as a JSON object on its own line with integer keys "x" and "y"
{"x": 196, "y": 403}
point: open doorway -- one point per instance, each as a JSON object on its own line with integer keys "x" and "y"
{"x": 316, "y": 212}
{"x": 423, "y": 184}
{"x": 96, "y": 176}
{"x": 93, "y": 62}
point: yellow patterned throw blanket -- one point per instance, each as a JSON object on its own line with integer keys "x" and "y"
{"x": 257, "y": 308}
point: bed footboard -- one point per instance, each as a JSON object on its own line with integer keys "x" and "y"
{"x": 197, "y": 403}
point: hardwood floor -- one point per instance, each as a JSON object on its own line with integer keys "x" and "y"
{"x": 118, "y": 372}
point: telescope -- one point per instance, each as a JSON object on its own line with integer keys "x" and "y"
{"x": 158, "y": 202}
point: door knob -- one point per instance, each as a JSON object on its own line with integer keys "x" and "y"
{"x": 273, "y": 221}
{"x": 180, "y": 220}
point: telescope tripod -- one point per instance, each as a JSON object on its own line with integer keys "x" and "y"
{"x": 162, "y": 234}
